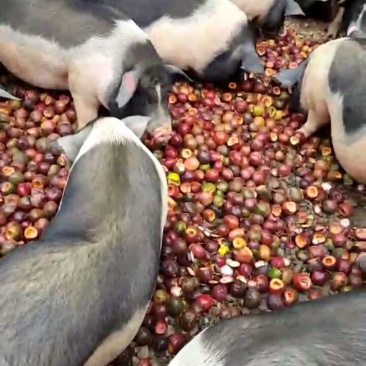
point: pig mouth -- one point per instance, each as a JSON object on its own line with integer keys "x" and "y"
{"x": 162, "y": 134}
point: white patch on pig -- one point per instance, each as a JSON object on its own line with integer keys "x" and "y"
{"x": 117, "y": 342}
{"x": 198, "y": 352}
{"x": 317, "y": 71}
{"x": 196, "y": 40}
{"x": 254, "y": 8}
{"x": 354, "y": 26}
{"x": 33, "y": 59}
{"x": 112, "y": 130}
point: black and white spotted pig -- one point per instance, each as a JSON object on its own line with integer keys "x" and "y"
{"x": 330, "y": 87}
{"x": 79, "y": 294}
{"x": 269, "y": 15}
{"x": 211, "y": 38}
{"x": 94, "y": 50}
{"x": 330, "y": 331}
{"x": 351, "y": 17}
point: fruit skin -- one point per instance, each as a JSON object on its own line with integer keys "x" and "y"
{"x": 302, "y": 281}
{"x": 276, "y": 286}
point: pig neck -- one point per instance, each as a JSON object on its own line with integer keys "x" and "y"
{"x": 112, "y": 192}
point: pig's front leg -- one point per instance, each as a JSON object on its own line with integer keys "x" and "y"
{"x": 84, "y": 94}
{"x": 86, "y": 108}
{"x": 333, "y": 28}
{"x": 314, "y": 121}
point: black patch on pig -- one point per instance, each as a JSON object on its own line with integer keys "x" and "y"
{"x": 347, "y": 77}
{"x": 307, "y": 321}
{"x": 69, "y": 22}
{"x": 295, "y": 100}
{"x": 146, "y": 12}
{"x": 275, "y": 17}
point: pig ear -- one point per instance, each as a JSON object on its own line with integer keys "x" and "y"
{"x": 137, "y": 124}
{"x": 177, "y": 71}
{"x": 293, "y": 8}
{"x": 6, "y": 95}
{"x": 128, "y": 87}
{"x": 70, "y": 145}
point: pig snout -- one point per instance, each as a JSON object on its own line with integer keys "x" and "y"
{"x": 162, "y": 132}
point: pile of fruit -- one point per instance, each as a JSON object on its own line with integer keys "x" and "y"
{"x": 256, "y": 221}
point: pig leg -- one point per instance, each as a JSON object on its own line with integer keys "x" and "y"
{"x": 83, "y": 90}
{"x": 314, "y": 121}
{"x": 333, "y": 28}
{"x": 86, "y": 107}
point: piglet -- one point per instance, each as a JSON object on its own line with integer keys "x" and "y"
{"x": 330, "y": 331}
{"x": 94, "y": 50}
{"x": 79, "y": 294}
{"x": 337, "y": 69}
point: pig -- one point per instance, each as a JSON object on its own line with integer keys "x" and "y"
{"x": 336, "y": 68}
{"x": 79, "y": 294}
{"x": 351, "y": 18}
{"x": 99, "y": 54}
{"x": 211, "y": 39}
{"x": 330, "y": 331}
{"x": 269, "y": 15}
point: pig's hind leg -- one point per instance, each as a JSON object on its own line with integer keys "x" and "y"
{"x": 83, "y": 86}
{"x": 316, "y": 119}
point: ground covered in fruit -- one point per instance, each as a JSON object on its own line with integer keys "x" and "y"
{"x": 258, "y": 219}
